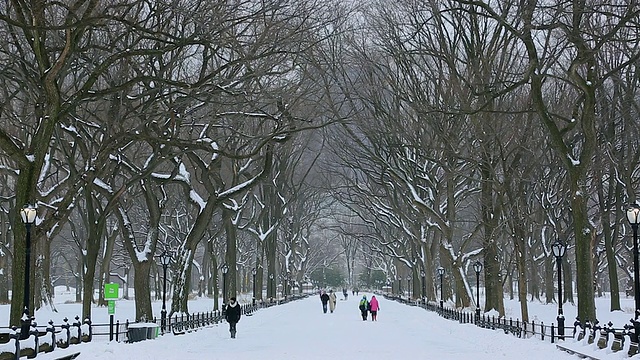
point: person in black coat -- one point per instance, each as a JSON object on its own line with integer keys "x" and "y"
{"x": 232, "y": 315}
{"x": 325, "y": 299}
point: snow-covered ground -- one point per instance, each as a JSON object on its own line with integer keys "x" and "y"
{"x": 299, "y": 330}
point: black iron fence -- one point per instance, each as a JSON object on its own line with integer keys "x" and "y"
{"x": 606, "y": 336}
{"x": 45, "y": 339}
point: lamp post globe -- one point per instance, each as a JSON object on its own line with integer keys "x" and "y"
{"x": 477, "y": 266}
{"x": 633, "y": 215}
{"x": 165, "y": 260}
{"x": 558, "y": 248}
{"x": 28, "y": 215}
{"x": 441, "y": 273}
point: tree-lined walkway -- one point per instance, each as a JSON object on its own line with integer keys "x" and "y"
{"x": 300, "y": 330}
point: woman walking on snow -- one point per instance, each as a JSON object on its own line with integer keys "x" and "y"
{"x": 232, "y": 315}
{"x": 374, "y": 308}
{"x": 332, "y": 300}
{"x": 364, "y": 307}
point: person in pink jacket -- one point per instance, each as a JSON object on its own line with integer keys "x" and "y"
{"x": 374, "y": 308}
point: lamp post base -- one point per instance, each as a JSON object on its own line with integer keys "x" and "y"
{"x": 477, "y": 315}
{"x": 560, "y": 326}
{"x": 163, "y": 320}
{"x": 25, "y": 327}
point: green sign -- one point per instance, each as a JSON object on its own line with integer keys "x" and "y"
{"x": 110, "y": 291}
{"x": 112, "y": 307}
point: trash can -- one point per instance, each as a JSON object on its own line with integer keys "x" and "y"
{"x": 142, "y": 331}
{"x": 152, "y": 330}
{"x": 136, "y": 333}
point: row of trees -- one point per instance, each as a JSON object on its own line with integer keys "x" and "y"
{"x": 488, "y": 130}
{"x": 280, "y": 136}
{"x": 142, "y": 126}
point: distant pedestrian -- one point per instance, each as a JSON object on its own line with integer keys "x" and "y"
{"x": 232, "y": 315}
{"x": 325, "y": 299}
{"x": 357, "y": 290}
{"x": 364, "y": 307}
{"x": 374, "y": 307}
{"x": 332, "y": 300}
{"x": 345, "y": 293}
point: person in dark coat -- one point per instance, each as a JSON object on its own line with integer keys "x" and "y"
{"x": 232, "y": 315}
{"x": 325, "y": 299}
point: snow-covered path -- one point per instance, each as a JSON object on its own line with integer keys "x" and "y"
{"x": 300, "y": 330}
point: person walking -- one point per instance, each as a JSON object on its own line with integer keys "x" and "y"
{"x": 232, "y": 315}
{"x": 374, "y": 307}
{"x": 345, "y": 293}
{"x": 332, "y": 300}
{"x": 364, "y": 307}
{"x": 325, "y": 299}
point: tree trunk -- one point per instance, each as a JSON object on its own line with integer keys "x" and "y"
{"x": 271, "y": 264}
{"x": 231, "y": 288}
{"x": 259, "y": 269}
{"x": 181, "y": 281}
{"x": 141, "y": 279}
{"x": 585, "y": 239}
{"x": 43, "y": 279}
{"x": 105, "y": 267}
{"x": 206, "y": 271}
{"x": 549, "y": 289}
{"x": 25, "y": 194}
{"x": 78, "y": 277}
{"x": 493, "y": 284}
{"x": 521, "y": 268}
{"x": 125, "y": 282}
{"x": 4, "y": 279}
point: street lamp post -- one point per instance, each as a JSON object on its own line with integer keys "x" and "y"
{"x": 271, "y": 285}
{"x": 165, "y": 260}
{"x": 633, "y": 215}
{"x": 285, "y": 286}
{"x": 28, "y": 215}
{"x": 399, "y": 279}
{"x": 477, "y": 266}
{"x": 424, "y": 285}
{"x": 225, "y": 270}
{"x": 254, "y": 272}
{"x": 441, "y": 273}
{"x": 409, "y": 286}
{"x": 558, "y": 250}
